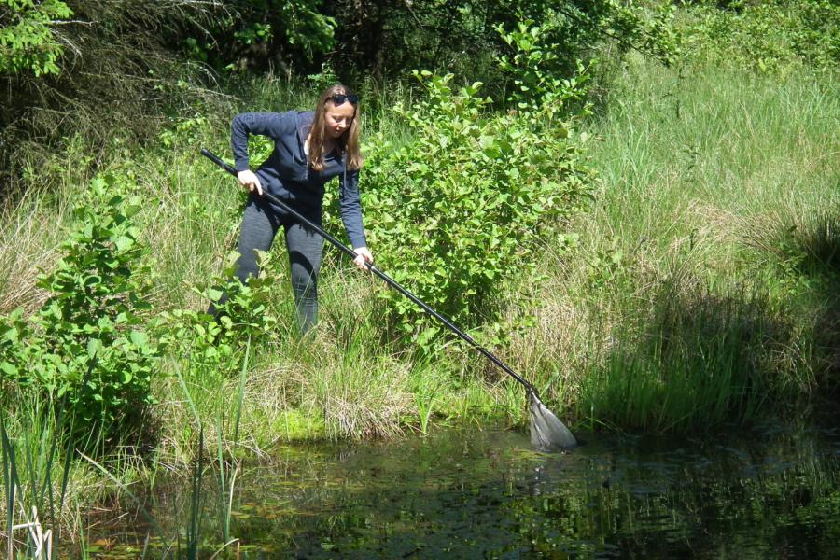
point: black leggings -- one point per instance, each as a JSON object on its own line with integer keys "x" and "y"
{"x": 260, "y": 223}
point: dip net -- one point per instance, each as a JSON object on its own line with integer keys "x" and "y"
{"x": 548, "y": 433}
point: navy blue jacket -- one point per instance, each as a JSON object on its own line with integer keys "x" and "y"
{"x": 286, "y": 173}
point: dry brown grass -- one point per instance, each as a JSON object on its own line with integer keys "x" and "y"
{"x": 360, "y": 394}
{"x": 29, "y": 242}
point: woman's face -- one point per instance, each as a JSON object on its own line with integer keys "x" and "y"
{"x": 337, "y": 118}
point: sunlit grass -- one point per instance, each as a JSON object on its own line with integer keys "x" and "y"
{"x": 685, "y": 301}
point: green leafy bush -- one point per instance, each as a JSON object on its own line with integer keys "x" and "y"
{"x": 644, "y": 26}
{"x": 537, "y": 69}
{"x": 259, "y": 33}
{"x": 460, "y": 209}
{"x": 766, "y": 36}
{"x": 210, "y": 344}
{"x": 93, "y": 315}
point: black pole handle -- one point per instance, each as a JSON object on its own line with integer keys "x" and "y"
{"x": 391, "y": 282}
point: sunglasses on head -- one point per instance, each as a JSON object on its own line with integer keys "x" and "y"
{"x": 339, "y": 99}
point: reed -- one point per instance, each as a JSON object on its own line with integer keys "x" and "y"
{"x": 37, "y": 454}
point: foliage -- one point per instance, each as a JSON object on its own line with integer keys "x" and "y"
{"x": 538, "y": 70}
{"x": 15, "y": 333}
{"x": 461, "y": 208}
{"x": 211, "y": 343}
{"x": 27, "y": 38}
{"x": 93, "y": 316}
{"x": 263, "y": 34}
{"x": 383, "y": 39}
{"x": 645, "y": 27}
{"x": 464, "y": 205}
{"x": 118, "y": 79}
{"x": 129, "y": 68}
{"x": 766, "y": 36}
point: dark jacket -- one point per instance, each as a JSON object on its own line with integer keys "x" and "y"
{"x": 286, "y": 173}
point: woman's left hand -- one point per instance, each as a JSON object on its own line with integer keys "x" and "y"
{"x": 363, "y": 256}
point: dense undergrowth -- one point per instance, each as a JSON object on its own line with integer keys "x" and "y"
{"x": 655, "y": 247}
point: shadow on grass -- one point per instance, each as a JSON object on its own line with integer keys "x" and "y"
{"x": 818, "y": 243}
{"x": 696, "y": 357}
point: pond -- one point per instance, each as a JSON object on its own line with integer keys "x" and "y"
{"x": 771, "y": 492}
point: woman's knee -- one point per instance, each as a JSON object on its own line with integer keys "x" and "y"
{"x": 246, "y": 265}
{"x": 304, "y": 285}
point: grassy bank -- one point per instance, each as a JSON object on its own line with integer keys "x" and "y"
{"x": 700, "y": 288}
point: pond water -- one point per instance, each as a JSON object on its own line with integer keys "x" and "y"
{"x": 769, "y": 493}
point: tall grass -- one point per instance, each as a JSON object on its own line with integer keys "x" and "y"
{"x": 679, "y": 307}
{"x": 29, "y": 236}
{"x": 40, "y": 480}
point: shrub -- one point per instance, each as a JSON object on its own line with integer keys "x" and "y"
{"x": 93, "y": 316}
{"x": 27, "y": 40}
{"x": 460, "y": 209}
{"x": 767, "y": 36}
{"x": 537, "y": 69}
{"x": 210, "y": 344}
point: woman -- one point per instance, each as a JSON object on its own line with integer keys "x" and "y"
{"x": 310, "y": 149}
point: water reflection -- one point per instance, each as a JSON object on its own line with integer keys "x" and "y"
{"x": 468, "y": 494}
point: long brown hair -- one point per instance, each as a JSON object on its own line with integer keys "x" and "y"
{"x": 347, "y": 143}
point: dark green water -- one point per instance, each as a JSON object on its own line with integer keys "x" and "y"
{"x": 769, "y": 493}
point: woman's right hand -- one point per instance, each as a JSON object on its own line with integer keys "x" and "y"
{"x": 249, "y": 180}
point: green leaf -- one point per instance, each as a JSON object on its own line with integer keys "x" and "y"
{"x": 94, "y": 347}
{"x": 124, "y": 243}
{"x": 139, "y": 339}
